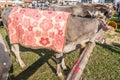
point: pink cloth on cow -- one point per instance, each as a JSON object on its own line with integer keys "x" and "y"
{"x": 37, "y": 28}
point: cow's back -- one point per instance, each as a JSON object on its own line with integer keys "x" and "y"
{"x": 5, "y": 15}
{"x": 61, "y": 8}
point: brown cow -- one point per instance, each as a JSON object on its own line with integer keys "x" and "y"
{"x": 86, "y": 10}
{"x": 79, "y": 31}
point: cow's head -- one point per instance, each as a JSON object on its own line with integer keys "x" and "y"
{"x": 104, "y": 11}
{"x": 101, "y": 11}
{"x": 108, "y": 13}
{"x": 103, "y": 25}
{"x": 82, "y": 10}
{"x": 102, "y": 28}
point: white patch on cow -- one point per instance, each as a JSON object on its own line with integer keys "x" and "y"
{"x": 4, "y": 63}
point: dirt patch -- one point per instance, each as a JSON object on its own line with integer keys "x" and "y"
{"x": 114, "y": 39}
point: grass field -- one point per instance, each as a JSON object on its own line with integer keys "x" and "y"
{"x": 104, "y": 63}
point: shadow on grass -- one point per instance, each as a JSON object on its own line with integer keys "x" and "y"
{"x": 118, "y": 28}
{"x": 34, "y": 67}
{"x": 44, "y": 57}
{"x": 114, "y": 47}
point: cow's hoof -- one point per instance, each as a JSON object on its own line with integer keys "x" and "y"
{"x": 22, "y": 65}
{"x": 60, "y": 75}
{"x": 17, "y": 60}
{"x": 64, "y": 67}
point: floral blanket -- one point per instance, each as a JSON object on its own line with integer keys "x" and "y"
{"x": 36, "y": 28}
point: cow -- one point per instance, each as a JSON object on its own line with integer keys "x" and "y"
{"x": 86, "y": 10}
{"x": 5, "y": 61}
{"x": 79, "y": 31}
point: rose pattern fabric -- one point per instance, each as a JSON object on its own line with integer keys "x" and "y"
{"x": 37, "y": 28}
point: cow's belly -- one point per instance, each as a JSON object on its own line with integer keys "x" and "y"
{"x": 72, "y": 45}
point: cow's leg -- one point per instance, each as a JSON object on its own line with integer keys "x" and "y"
{"x": 59, "y": 58}
{"x": 92, "y": 39}
{"x": 63, "y": 64}
{"x": 68, "y": 48}
{"x": 15, "y": 49}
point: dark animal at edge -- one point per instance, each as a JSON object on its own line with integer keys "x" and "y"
{"x": 5, "y": 61}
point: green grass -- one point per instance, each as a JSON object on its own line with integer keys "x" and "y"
{"x": 104, "y": 63}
